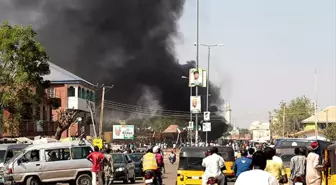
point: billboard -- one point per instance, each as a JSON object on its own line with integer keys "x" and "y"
{"x": 197, "y": 77}
{"x": 195, "y": 104}
{"x": 123, "y": 132}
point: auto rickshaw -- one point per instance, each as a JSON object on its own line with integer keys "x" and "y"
{"x": 227, "y": 153}
{"x": 190, "y": 169}
{"x": 330, "y": 156}
{"x": 286, "y": 153}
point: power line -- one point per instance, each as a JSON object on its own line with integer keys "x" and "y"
{"x": 158, "y": 114}
{"x": 141, "y": 107}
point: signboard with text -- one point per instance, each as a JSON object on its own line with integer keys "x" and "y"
{"x": 123, "y": 131}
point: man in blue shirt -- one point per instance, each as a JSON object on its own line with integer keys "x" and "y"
{"x": 242, "y": 164}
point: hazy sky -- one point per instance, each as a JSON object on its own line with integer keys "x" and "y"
{"x": 270, "y": 53}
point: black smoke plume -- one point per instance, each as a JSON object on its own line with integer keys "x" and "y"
{"x": 127, "y": 43}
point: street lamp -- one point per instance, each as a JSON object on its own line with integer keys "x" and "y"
{"x": 209, "y": 46}
{"x": 184, "y": 77}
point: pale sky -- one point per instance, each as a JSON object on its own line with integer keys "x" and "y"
{"x": 271, "y": 49}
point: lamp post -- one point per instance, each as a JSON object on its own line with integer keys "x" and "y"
{"x": 184, "y": 77}
{"x": 209, "y": 46}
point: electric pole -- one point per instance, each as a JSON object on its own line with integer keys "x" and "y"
{"x": 283, "y": 120}
{"x": 102, "y": 112}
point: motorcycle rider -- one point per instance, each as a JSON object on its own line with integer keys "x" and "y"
{"x": 149, "y": 163}
{"x": 172, "y": 157}
{"x": 213, "y": 165}
{"x": 159, "y": 160}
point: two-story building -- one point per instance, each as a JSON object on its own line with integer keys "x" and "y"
{"x": 75, "y": 93}
{"x": 68, "y": 91}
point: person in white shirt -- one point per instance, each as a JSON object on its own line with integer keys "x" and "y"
{"x": 213, "y": 165}
{"x": 257, "y": 176}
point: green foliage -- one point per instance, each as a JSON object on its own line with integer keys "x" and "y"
{"x": 330, "y": 131}
{"x": 243, "y": 131}
{"x": 295, "y": 111}
{"x": 23, "y": 63}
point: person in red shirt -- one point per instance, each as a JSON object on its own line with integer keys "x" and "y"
{"x": 97, "y": 159}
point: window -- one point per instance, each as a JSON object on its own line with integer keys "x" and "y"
{"x": 87, "y": 94}
{"x": 45, "y": 113}
{"x": 57, "y": 154}
{"x": 79, "y": 92}
{"x": 80, "y": 152}
{"x": 118, "y": 158}
{"x": 71, "y": 91}
{"x": 51, "y": 92}
{"x": 93, "y": 96}
{"x": 10, "y": 154}
{"x": 31, "y": 156}
{"x": 83, "y": 93}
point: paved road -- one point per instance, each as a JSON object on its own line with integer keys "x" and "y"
{"x": 169, "y": 176}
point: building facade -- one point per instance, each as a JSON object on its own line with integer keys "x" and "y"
{"x": 260, "y": 131}
{"x": 66, "y": 91}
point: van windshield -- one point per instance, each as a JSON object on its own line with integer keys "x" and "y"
{"x": 2, "y": 155}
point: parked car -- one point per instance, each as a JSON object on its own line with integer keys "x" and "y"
{"x": 51, "y": 163}
{"x": 136, "y": 157}
{"x": 124, "y": 168}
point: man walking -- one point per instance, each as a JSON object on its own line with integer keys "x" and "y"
{"x": 313, "y": 169}
{"x": 298, "y": 166}
{"x": 274, "y": 167}
{"x": 108, "y": 167}
{"x": 96, "y": 158}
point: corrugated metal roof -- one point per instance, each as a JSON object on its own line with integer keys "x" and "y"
{"x": 326, "y": 115}
{"x": 58, "y": 74}
{"x": 171, "y": 129}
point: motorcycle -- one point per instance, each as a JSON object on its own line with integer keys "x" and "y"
{"x": 212, "y": 181}
{"x": 172, "y": 159}
{"x": 150, "y": 178}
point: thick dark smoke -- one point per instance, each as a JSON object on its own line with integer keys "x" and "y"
{"x": 127, "y": 43}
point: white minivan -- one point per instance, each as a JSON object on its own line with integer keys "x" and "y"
{"x": 51, "y": 163}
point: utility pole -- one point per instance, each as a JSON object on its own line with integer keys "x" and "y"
{"x": 101, "y": 114}
{"x": 207, "y": 92}
{"x": 315, "y": 110}
{"x": 327, "y": 118}
{"x": 197, "y": 65}
{"x": 283, "y": 120}
{"x": 102, "y": 111}
{"x": 190, "y": 129}
{"x": 208, "y": 80}
{"x": 270, "y": 123}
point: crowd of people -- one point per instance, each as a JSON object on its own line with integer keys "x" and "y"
{"x": 265, "y": 168}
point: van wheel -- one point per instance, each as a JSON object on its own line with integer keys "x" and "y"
{"x": 33, "y": 181}
{"x": 84, "y": 179}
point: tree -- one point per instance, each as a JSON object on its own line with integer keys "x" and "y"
{"x": 65, "y": 118}
{"x": 288, "y": 117}
{"x": 330, "y": 131}
{"x": 23, "y": 63}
